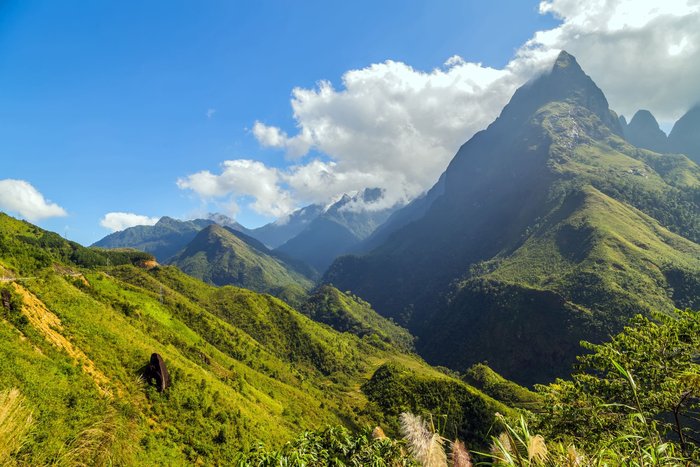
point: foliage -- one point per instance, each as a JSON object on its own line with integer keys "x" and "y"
{"x": 331, "y": 446}
{"x": 223, "y": 256}
{"x": 660, "y": 381}
{"x": 513, "y": 395}
{"x": 459, "y": 410}
{"x": 349, "y": 313}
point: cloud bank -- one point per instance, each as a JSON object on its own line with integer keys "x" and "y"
{"x": 391, "y": 126}
{"x": 116, "y": 221}
{"x": 19, "y": 196}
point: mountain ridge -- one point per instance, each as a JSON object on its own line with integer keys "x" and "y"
{"x": 443, "y": 275}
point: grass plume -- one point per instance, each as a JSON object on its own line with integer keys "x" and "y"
{"x": 459, "y": 457}
{"x": 423, "y": 442}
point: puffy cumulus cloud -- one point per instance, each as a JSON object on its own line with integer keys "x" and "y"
{"x": 391, "y": 122}
{"x": 642, "y": 54}
{"x": 243, "y": 178}
{"x": 391, "y": 126}
{"x": 19, "y": 196}
{"x": 116, "y": 221}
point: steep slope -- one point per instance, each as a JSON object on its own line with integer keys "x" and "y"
{"x": 338, "y": 229}
{"x": 222, "y": 256}
{"x": 644, "y": 132}
{"x": 609, "y": 230}
{"x": 347, "y": 313}
{"x": 276, "y": 233}
{"x": 685, "y": 135}
{"x": 77, "y": 326}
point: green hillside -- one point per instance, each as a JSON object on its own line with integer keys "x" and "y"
{"x": 551, "y": 229}
{"x": 221, "y": 256}
{"x": 348, "y": 313}
{"x": 162, "y": 240}
{"x": 80, "y": 324}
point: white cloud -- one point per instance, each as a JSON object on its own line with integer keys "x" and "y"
{"x": 243, "y": 178}
{"x": 642, "y": 54}
{"x": 210, "y": 113}
{"x": 116, "y": 221}
{"x": 19, "y": 196}
{"x": 395, "y": 127}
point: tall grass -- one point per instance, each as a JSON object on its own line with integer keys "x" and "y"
{"x": 423, "y": 442}
{"x": 15, "y": 422}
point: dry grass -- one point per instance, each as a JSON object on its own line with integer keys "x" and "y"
{"x": 49, "y": 325}
{"x": 92, "y": 446}
{"x": 15, "y": 422}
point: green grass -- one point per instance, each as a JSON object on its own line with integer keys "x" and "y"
{"x": 246, "y": 367}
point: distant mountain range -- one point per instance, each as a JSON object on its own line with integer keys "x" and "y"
{"x": 306, "y": 241}
{"x": 547, "y": 228}
{"x": 643, "y": 131}
{"x": 338, "y": 228}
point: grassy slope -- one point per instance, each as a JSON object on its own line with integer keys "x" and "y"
{"x": 551, "y": 230}
{"x": 588, "y": 263}
{"x": 345, "y": 312}
{"x": 220, "y": 257}
{"x": 245, "y": 367}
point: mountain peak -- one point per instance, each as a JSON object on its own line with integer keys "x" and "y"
{"x": 566, "y": 61}
{"x": 643, "y": 131}
{"x": 566, "y": 82}
{"x": 644, "y": 117}
{"x": 685, "y": 135}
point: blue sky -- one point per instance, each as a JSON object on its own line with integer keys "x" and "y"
{"x": 106, "y": 105}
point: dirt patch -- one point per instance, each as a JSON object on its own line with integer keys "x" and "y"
{"x": 49, "y": 325}
{"x": 148, "y": 264}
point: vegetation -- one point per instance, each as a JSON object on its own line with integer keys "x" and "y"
{"x": 221, "y": 256}
{"x": 632, "y": 402}
{"x": 245, "y": 368}
{"x": 459, "y": 410}
{"x": 163, "y": 240}
{"x": 481, "y": 376}
{"x": 345, "y": 312}
{"x": 15, "y": 421}
{"x": 550, "y": 229}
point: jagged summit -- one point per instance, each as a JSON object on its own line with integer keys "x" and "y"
{"x": 566, "y": 62}
{"x": 643, "y": 131}
{"x": 566, "y": 81}
{"x": 549, "y": 230}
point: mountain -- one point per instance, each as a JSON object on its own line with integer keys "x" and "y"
{"x": 550, "y": 229}
{"x": 223, "y": 256}
{"x": 162, "y": 240}
{"x": 166, "y": 237}
{"x": 685, "y": 135}
{"x": 78, "y": 327}
{"x": 278, "y": 232}
{"x": 401, "y": 217}
{"x": 643, "y": 131}
{"x": 348, "y": 313}
{"x": 340, "y": 227}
